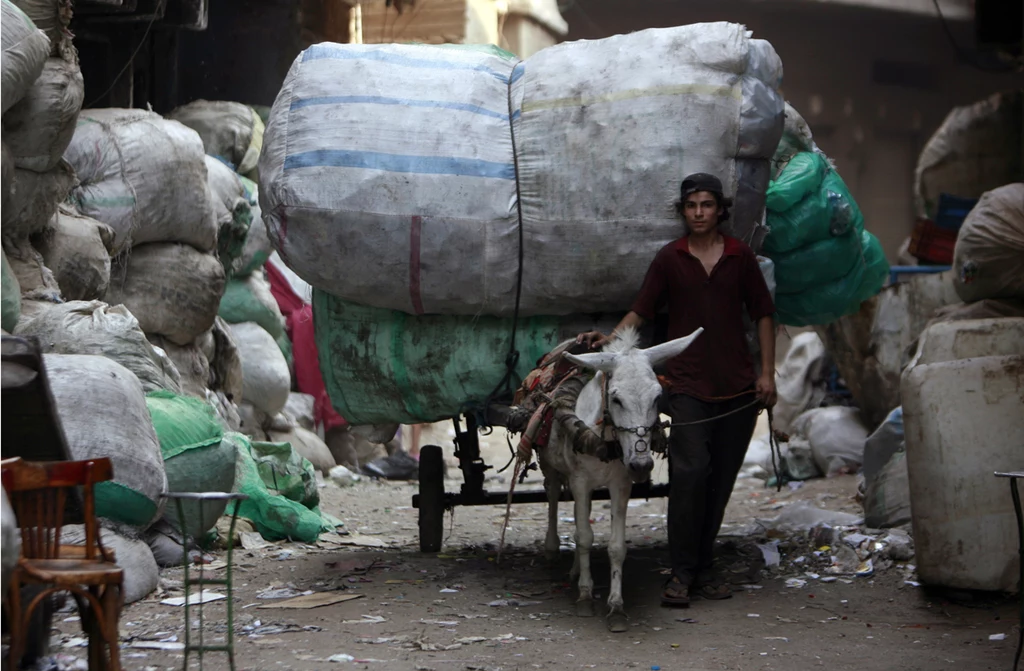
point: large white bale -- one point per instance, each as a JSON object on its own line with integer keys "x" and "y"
{"x": 102, "y": 409}
{"x": 266, "y": 379}
{"x": 93, "y": 327}
{"x": 988, "y": 260}
{"x": 143, "y": 175}
{"x": 172, "y": 289}
{"x": 39, "y": 128}
{"x": 25, "y": 49}
{"x": 429, "y": 169}
{"x": 34, "y": 199}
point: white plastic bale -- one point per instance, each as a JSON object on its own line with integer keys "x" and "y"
{"x": 25, "y": 49}
{"x": 309, "y": 445}
{"x": 52, "y": 17}
{"x": 172, "y": 289}
{"x": 266, "y": 379}
{"x": 102, "y": 409}
{"x": 77, "y": 250}
{"x": 342, "y": 184}
{"x": 141, "y": 573}
{"x": 35, "y": 198}
{"x": 837, "y": 437}
{"x": 191, "y": 363}
{"x": 93, "y": 327}
{"x": 225, "y": 362}
{"x": 229, "y": 199}
{"x": 39, "y": 128}
{"x": 143, "y": 175}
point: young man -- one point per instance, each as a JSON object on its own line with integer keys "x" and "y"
{"x": 706, "y": 279}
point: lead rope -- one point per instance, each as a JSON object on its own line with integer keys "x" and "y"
{"x": 508, "y": 507}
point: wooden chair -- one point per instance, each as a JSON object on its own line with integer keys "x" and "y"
{"x": 39, "y": 493}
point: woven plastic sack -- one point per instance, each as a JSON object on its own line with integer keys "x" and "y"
{"x": 39, "y": 128}
{"x": 77, "y": 251}
{"x": 103, "y": 412}
{"x": 196, "y": 458}
{"x": 281, "y": 487}
{"x": 266, "y": 378}
{"x": 230, "y": 131}
{"x": 93, "y": 327}
{"x": 817, "y": 263}
{"x": 232, "y": 209}
{"x": 257, "y": 247}
{"x": 10, "y": 295}
{"x": 35, "y": 200}
{"x": 988, "y": 260}
{"x": 25, "y": 49}
{"x": 250, "y": 300}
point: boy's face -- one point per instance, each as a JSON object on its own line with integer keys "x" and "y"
{"x": 701, "y": 212}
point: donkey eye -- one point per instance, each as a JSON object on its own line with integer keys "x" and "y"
{"x": 617, "y": 401}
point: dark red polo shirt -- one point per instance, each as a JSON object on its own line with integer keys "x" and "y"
{"x": 718, "y": 363}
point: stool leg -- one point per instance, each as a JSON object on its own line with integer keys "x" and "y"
{"x": 1015, "y": 494}
{"x": 230, "y": 589}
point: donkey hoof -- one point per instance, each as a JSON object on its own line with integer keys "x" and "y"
{"x": 617, "y": 622}
{"x": 585, "y": 608}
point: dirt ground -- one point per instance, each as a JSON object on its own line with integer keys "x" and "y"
{"x": 461, "y": 609}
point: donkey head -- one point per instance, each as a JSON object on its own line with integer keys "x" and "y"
{"x": 633, "y": 392}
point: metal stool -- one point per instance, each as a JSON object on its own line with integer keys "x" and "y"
{"x": 202, "y": 581}
{"x": 1014, "y": 476}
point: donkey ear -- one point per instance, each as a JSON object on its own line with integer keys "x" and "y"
{"x": 661, "y": 353}
{"x": 603, "y": 361}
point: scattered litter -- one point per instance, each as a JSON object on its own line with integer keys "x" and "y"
{"x": 498, "y": 603}
{"x": 471, "y": 639}
{"x": 252, "y": 540}
{"x": 156, "y": 645}
{"x": 471, "y": 616}
{"x": 359, "y": 540}
{"x": 776, "y": 638}
{"x": 770, "y": 552}
{"x": 855, "y": 540}
{"x": 752, "y": 586}
{"x": 829, "y": 578}
{"x": 796, "y": 582}
{"x": 314, "y": 600}
{"x": 449, "y": 590}
{"x": 194, "y": 599}
{"x": 865, "y": 569}
{"x": 753, "y": 615}
{"x": 281, "y": 593}
{"x": 284, "y": 554}
{"x": 367, "y": 619}
{"x": 997, "y": 637}
{"x": 812, "y": 576}
{"x": 76, "y": 642}
{"x": 786, "y": 620}
{"x": 343, "y": 477}
{"x": 341, "y": 658}
{"x": 686, "y": 620}
{"x": 912, "y": 583}
{"x": 800, "y": 560}
{"x": 441, "y": 623}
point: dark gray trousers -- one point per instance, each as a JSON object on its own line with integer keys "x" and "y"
{"x": 704, "y": 460}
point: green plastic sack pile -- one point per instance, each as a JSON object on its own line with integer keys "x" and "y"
{"x": 283, "y": 498}
{"x": 826, "y": 264}
{"x": 196, "y": 457}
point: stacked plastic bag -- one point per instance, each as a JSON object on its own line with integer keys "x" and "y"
{"x": 826, "y": 263}
{"x": 411, "y": 180}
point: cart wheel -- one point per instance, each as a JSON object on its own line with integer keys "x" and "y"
{"x": 431, "y": 498}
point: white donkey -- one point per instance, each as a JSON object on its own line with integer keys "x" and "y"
{"x": 630, "y": 395}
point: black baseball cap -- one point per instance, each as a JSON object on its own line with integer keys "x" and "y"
{"x": 700, "y": 181}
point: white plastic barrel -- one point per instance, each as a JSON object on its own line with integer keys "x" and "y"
{"x": 952, "y": 340}
{"x": 964, "y": 419}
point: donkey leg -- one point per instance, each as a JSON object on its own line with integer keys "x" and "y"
{"x": 584, "y": 542}
{"x": 617, "y": 555}
{"x": 553, "y": 487}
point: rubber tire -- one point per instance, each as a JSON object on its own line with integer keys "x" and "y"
{"x": 431, "y": 498}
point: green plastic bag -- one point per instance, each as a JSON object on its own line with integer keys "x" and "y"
{"x": 808, "y": 203}
{"x": 239, "y": 304}
{"x": 817, "y": 263}
{"x": 832, "y": 300}
{"x": 382, "y": 366}
{"x": 10, "y": 296}
{"x": 196, "y": 458}
{"x": 282, "y": 491}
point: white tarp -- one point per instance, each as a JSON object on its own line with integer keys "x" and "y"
{"x": 394, "y": 175}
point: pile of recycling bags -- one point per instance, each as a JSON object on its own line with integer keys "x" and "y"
{"x": 134, "y": 253}
{"x": 826, "y": 263}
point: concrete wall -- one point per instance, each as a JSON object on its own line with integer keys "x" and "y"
{"x": 873, "y": 84}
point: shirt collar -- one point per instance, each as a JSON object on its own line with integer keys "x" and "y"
{"x": 732, "y": 245}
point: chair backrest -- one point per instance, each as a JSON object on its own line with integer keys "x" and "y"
{"x": 38, "y": 491}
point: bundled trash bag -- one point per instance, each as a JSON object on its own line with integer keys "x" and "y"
{"x": 192, "y": 364}
{"x": 25, "y": 49}
{"x": 836, "y": 435}
{"x": 10, "y": 295}
{"x": 196, "y": 458}
{"x": 308, "y": 445}
{"x": 77, "y": 250}
{"x": 257, "y": 248}
{"x": 141, "y": 573}
{"x": 232, "y": 209}
{"x": 103, "y": 412}
{"x": 250, "y": 300}
{"x": 282, "y": 490}
{"x": 230, "y": 131}
{"x": 266, "y": 380}
{"x": 35, "y": 198}
{"x": 886, "y": 484}
{"x": 988, "y": 260}
{"x": 93, "y": 327}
